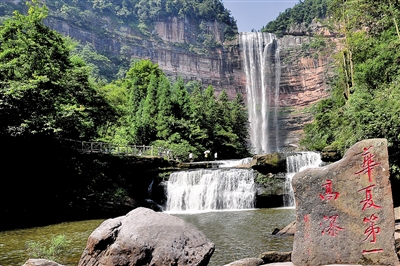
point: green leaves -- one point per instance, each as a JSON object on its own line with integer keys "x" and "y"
{"x": 302, "y": 13}
{"x": 44, "y": 90}
{"x": 371, "y": 109}
{"x": 155, "y": 110}
{"x": 52, "y": 249}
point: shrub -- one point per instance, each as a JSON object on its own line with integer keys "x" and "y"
{"x": 50, "y": 250}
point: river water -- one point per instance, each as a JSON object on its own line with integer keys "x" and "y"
{"x": 236, "y": 235}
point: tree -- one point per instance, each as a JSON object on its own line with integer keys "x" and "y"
{"x": 43, "y": 89}
{"x": 210, "y": 116}
{"x": 225, "y": 139}
{"x": 138, "y": 79}
{"x": 180, "y": 100}
{"x": 197, "y": 132}
{"x": 145, "y": 120}
{"x": 165, "y": 119}
{"x": 240, "y": 126}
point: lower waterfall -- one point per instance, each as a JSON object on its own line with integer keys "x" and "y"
{"x": 296, "y": 163}
{"x": 208, "y": 190}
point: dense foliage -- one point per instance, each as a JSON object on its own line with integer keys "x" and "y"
{"x": 302, "y": 13}
{"x": 130, "y": 21}
{"x": 46, "y": 89}
{"x": 365, "y": 100}
{"x": 155, "y": 111}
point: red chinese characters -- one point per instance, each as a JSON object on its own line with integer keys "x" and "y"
{"x": 330, "y": 225}
{"x": 329, "y": 194}
{"x": 368, "y": 164}
{"x": 372, "y": 230}
{"x": 368, "y": 201}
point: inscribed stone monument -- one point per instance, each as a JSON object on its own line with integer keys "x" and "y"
{"x": 345, "y": 210}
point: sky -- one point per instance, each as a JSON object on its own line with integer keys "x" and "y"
{"x": 254, "y": 14}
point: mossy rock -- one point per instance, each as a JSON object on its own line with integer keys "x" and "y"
{"x": 269, "y": 163}
{"x": 330, "y": 154}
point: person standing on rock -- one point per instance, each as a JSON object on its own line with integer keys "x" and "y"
{"x": 215, "y": 156}
{"x": 190, "y": 156}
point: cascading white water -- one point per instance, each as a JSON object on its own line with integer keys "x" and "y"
{"x": 207, "y": 190}
{"x": 233, "y": 163}
{"x": 262, "y": 68}
{"x": 296, "y": 163}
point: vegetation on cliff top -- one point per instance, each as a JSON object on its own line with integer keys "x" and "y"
{"x": 302, "y": 13}
{"x": 365, "y": 95}
{"x": 130, "y": 21}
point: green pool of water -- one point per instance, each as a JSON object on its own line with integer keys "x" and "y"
{"x": 236, "y": 235}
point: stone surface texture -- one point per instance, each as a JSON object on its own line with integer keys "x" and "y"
{"x": 246, "y": 262}
{"x": 275, "y": 256}
{"x": 144, "y": 237}
{"x": 397, "y": 214}
{"x": 288, "y": 230}
{"x": 345, "y": 210}
{"x": 40, "y": 262}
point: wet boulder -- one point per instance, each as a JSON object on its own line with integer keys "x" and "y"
{"x": 146, "y": 237}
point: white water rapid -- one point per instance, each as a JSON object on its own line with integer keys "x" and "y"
{"x": 233, "y": 163}
{"x": 261, "y": 61}
{"x": 296, "y": 163}
{"x": 208, "y": 190}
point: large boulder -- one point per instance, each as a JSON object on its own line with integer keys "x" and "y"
{"x": 144, "y": 237}
{"x": 344, "y": 211}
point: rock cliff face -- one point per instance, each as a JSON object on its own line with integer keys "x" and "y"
{"x": 304, "y": 71}
{"x": 303, "y": 75}
{"x": 177, "y": 45}
{"x": 304, "y": 81}
{"x": 174, "y": 44}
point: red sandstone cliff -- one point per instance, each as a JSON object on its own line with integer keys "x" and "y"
{"x": 173, "y": 44}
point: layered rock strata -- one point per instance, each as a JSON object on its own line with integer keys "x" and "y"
{"x": 174, "y": 45}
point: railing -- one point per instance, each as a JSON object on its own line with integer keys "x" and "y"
{"x": 110, "y": 148}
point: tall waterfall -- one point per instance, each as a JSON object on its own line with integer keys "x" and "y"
{"x": 296, "y": 163}
{"x": 262, "y": 68}
{"x": 207, "y": 190}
